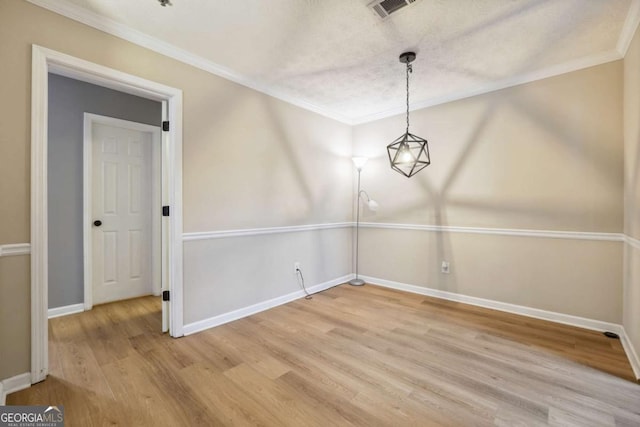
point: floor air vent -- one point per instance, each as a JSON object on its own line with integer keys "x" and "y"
{"x": 384, "y": 8}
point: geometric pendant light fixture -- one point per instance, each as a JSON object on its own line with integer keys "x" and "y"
{"x": 408, "y": 154}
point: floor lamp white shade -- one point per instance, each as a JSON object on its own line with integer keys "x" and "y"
{"x": 359, "y": 163}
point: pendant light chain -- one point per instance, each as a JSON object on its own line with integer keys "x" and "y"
{"x": 409, "y": 70}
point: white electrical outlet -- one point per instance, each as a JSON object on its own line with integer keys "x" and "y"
{"x": 445, "y": 267}
{"x": 297, "y": 266}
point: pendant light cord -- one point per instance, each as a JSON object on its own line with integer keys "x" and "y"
{"x": 409, "y": 70}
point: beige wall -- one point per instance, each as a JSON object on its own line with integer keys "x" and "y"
{"x": 270, "y": 151}
{"x": 547, "y": 155}
{"x": 15, "y": 321}
{"x": 259, "y": 162}
{"x": 632, "y": 190}
{"x": 528, "y": 271}
{"x": 249, "y": 161}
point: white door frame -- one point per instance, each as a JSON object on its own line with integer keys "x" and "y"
{"x": 87, "y": 199}
{"x": 45, "y": 61}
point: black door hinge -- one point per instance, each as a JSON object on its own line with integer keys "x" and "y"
{"x": 165, "y": 126}
{"x": 165, "y": 211}
{"x": 165, "y": 296}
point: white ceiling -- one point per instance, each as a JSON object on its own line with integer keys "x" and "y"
{"x": 337, "y": 58}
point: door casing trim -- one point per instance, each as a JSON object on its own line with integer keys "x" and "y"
{"x": 45, "y": 61}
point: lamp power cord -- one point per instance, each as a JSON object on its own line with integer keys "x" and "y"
{"x": 300, "y": 278}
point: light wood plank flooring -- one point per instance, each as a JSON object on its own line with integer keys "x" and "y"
{"x": 364, "y": 356}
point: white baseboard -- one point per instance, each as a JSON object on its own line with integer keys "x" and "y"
{"x": 221, "y": 319}
{"x": 634, "y": 360}
{"x": 13, "y": 384}
{"x": 65, "y": 311}
{"x": 552, "y": 316}
{"x": 566, "y": 319}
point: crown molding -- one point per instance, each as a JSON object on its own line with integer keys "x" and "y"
{"x": 139, "y": 38}
{"x": 556, "y": 70}
{"x": 629, "y": 28}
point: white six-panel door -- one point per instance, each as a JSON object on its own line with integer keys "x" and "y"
{"x": 121, "y": 213}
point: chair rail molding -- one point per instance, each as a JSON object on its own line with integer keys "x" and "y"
{"x": 632, "y": 241}
{"x": 221, "y": 234}
{"x": 15, "y": 249}
{"x": 550, "y": 234}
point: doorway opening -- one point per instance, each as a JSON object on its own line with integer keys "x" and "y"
{"x": 45, "y": 61}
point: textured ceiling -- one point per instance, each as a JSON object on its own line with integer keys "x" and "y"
{"x": 337, "y": 57}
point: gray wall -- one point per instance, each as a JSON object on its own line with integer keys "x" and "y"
{"x": 68, "y": 101}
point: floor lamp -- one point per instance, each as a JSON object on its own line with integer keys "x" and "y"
{"x": 359, "y": 162}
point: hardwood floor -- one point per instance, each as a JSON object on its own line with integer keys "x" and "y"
{"x": 366, "y": 356}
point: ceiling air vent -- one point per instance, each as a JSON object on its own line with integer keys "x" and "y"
{"x": 384, "y": 8}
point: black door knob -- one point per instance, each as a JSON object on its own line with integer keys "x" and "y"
{"x": 97, "y": 223}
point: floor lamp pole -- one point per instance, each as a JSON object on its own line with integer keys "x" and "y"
{"x": 357, "y": 281}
